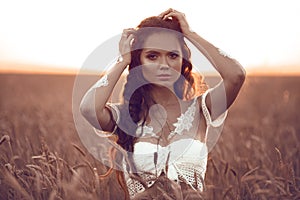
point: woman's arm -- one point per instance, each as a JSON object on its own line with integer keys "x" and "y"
{"x": 93, "y": 104}
{"x": 223, "y": 95}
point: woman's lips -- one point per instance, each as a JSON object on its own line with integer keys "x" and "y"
{"x": 164, "y": 76}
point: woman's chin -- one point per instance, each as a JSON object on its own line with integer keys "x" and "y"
{"x": 165, "y": 84}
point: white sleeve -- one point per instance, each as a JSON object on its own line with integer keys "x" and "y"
{"x": 116, "y": 117}
{"x": 115, "y": 111}
{"x": 217, "y": 122}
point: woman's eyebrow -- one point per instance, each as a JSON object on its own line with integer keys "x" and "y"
{"x": 157, "y": 51}
{"x": 151, "y": 51}
{"x": 175, "y": 51}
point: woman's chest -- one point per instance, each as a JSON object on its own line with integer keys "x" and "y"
{"x": 167, "y": 125}
{"x": 148, "y": 156}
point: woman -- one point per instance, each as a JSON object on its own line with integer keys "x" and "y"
{"x": 164, "y": 123}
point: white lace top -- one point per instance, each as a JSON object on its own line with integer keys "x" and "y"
{"x": 183, "y": 160}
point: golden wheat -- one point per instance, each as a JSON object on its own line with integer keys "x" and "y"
{"x": 42, "y": 157}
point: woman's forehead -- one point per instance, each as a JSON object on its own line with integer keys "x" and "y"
{"x": 162, "y": 41}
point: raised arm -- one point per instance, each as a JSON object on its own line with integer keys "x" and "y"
{"x": 93, "y": 104}
{"x": 220, "y": 98}
{"x": 231, "y": 71}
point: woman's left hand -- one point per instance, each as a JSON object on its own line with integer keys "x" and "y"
{"x": 179, "y": 16}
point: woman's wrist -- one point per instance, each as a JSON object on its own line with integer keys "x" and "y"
{"x": 189, "y": 33}
{"x": 123, "y": 61}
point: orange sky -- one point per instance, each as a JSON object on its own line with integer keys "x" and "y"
{"x": 59, "y": 36}
{"x": 10, "y": 67}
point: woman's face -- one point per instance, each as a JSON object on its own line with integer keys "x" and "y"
{"x": 161, "y": 59}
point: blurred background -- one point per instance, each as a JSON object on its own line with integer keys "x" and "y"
{"x": 57, "y": 36}
{"x": 46, "y": 45}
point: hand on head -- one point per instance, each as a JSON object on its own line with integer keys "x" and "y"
{"x": 128, "y": 35}
{"x": 171, "y": 13}
{"x": 125, "y": 44}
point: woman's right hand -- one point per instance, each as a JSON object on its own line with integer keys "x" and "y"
{"x": 179, "y": 16}
{"x": 125, "y": 44}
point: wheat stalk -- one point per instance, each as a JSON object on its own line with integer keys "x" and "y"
{"x": 15, "y": 184}
{"x": 7, "y": 138}
{"x": 78, "y": 149}
{"x": 279, "y": 157}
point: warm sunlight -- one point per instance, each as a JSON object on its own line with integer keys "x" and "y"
{"x": 178, "y": 118}
{"x": 64, "y": 33}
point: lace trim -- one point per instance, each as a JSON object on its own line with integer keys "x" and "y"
{"x": 217, "y": 122}
{"x": 146, "y": 130}
{"x": 205, "y": 109}
{"x": 134, "y": 186}
{"x": 223, "y": 53}
{"x": 189, "y": 173}
{"x": 101, "y": 82}
{"x": 185, "y": 121}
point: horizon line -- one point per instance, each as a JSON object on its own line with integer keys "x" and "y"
{"x": 19, "y": 68}
{"x": 15, "y": 72}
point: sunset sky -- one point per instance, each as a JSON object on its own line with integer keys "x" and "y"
{"x": 263, "y": 35}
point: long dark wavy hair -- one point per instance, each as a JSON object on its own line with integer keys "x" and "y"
{"x": 137, "y": 101}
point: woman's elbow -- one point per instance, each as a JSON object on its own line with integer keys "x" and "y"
{"x": 84, "y": 109}
{"x": 239, "y": 76}
{"x": 242, "y": 75}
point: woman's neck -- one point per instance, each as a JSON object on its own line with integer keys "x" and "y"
{"x": 164, "y": 96}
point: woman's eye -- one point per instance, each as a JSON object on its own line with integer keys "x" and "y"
{"x": 152, "y": 56}
{"x": 173, "y": 55}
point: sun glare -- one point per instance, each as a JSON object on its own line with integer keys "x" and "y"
{"x": 259, "y": 34}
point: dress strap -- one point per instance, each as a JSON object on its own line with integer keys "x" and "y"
{"x": 212, "y": 125}
{"x": 205, "y": 109}
{"x": 115, "y": 111}
{"x": 115, "y": 114}
{"x": 113, "y": 108}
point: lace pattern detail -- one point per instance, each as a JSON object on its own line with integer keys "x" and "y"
{"x": 223, "y": 53}
{"x": 185, "y": 121}
{"x": 189, "y": 167}
{"x": 145, "y": 131}
{"x": 189, "y": 173}
{"x": 135, "y": 186}
{"x": 205, "y": 109}
{"x": 192, "y": 174}
{"x": 102, "y": 82}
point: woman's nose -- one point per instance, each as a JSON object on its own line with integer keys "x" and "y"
{"x": 164, "y": 63}
{"x": 164, "y": 67}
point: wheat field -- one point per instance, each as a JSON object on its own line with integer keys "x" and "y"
{"x": 42, "y": 157}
